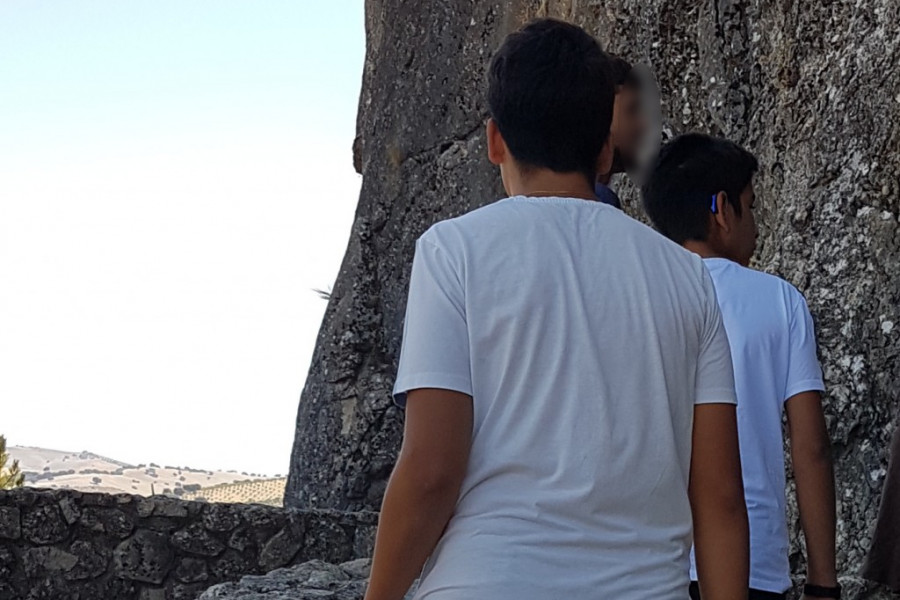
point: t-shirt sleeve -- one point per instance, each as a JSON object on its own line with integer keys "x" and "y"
{"x": 715, "y": 373}
{"x": 804, "y": 371}
{"x": 435, "y": 351}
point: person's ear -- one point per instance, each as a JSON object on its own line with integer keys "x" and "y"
{"x": 496, "y": 145}
{"x": 605, "y": 160}
{"x": 723, "y": 212}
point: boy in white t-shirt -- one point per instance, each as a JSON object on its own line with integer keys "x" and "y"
{"x": 700, "y": 194}
{"x": 559, "y": 363}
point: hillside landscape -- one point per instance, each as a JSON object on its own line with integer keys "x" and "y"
{"x": 88, "y": 472}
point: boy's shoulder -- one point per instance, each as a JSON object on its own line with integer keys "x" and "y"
{"x": 514, "y": 217}
{"x": 454, "y": 227}
{"x": 488, "y": 216}
{"x": 506, "y": 212}
{"x": 761, "y": 282}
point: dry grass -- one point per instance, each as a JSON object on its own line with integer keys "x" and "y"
{"x": 260, "y": 491}
{"x": 89, "y": 472}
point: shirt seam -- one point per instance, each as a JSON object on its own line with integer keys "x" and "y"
{"x": 559, "y": 200}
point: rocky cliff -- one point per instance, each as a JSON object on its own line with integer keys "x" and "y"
{"x": 812, "y": 88}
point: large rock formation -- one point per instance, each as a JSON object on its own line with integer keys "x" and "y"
{"x": 812, "y": 88}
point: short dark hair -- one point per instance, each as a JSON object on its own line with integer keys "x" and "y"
{"x": 687, "y": 173}
{"x": 622, "y": 73}
{"x": 551, "y": 95}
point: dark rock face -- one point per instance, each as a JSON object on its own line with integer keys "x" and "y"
{"x": 279, "y": 550}
{"x": 812, "y": 89}
{"x": 91, "y": 561}
{"x": 191, "y": 570}
{"x": 194, "y": 539}
{"x": 66, "y": 544}
{"x": 44, "y": 525}
{"x": 107, "y": 520}
{"x": 145, "y": 557}
{"x": 10, "y": 523}
{"x": 421, "y": 149}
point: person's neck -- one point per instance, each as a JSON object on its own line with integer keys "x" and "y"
{"x": 705, "y": 250}
{"x": 551, "y": 184}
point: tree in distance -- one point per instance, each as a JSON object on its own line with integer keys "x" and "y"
{"x": 10, "y": 474}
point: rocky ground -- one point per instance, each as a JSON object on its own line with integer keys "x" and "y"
{"x": 309, "y": 581}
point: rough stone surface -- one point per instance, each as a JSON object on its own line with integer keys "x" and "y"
{"x": 417, "y": 168}
{"x": 145, "y": 557}
{"x": 308, "y": 581}
{"x": 812, "y": 88}
{"x": 194, "y": 539}
{"x": 315, "y": 579}
{"x": 191, "y": 570}
{"x": 10, "y": 523}
{"x": 312, "y": 580}
{"x": 44, "y": 524}
{"x": 282, "y": 548}
{"x": 111, "y": 521}
{"x": 48, "y": 558}
{"x": 64, "y": 544}
{"x": 91, "y": 561}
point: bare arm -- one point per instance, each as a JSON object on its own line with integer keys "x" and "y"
{"x": 814, "y": 474}
{"x": 721, "y": 532}
{"x": 423, "y": 489}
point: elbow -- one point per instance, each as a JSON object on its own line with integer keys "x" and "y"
{"x": 725, "y": 503}
{"x": 438, "y": 484}
{"x": 431, "y": 481}
{"x": 735, "y": 503}
{"x": 721, "y": 516}
{"x": 733, "y": 506}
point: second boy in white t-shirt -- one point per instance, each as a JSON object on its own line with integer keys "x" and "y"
{"x": 700, "y": 194}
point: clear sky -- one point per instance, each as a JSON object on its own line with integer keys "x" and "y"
{"x": 175, "y": 179}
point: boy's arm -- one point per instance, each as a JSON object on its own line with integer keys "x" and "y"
{"x": 721, "y": 532}
{"x": 814, "y": 474}
{"x": 423, "y": 489}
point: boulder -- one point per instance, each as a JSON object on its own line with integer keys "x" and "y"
{"x": 308, "y": 581}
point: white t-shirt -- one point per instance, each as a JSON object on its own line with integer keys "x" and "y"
{"x": 585, "y": 339}
{"x": 773, "y": 346}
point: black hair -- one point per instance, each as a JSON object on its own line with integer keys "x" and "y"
{"x": 551, "y": 95}
{"x": 687, "y": 173}
{"x": 622, "y": 73}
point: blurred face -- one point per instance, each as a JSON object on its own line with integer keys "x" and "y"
{"x": 628, "y": 127}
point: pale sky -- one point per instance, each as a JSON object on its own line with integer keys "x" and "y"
{"x": 176, "y": 178}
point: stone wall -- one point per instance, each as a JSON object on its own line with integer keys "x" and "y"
{"x": 811, "y": 87}
{"x": 65, "y": 545}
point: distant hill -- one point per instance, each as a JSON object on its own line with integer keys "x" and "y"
{"x": 90, "y": 472}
